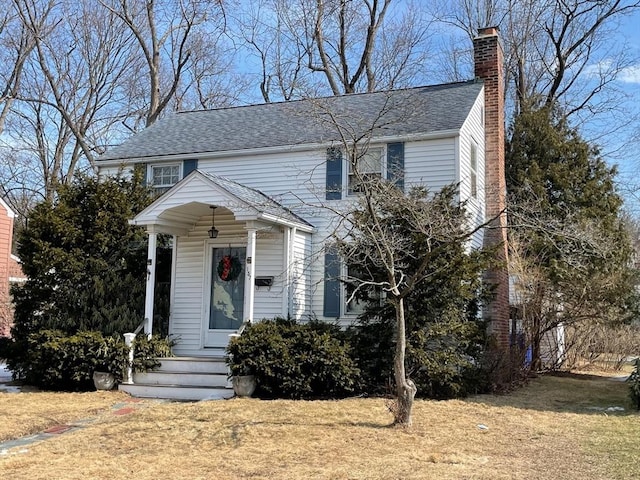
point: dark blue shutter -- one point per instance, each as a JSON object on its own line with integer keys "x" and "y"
{"x": 189, "y": 166}
{"x": 331, "y": 307}
{"x": 334, "y": 174}
{"x": 395, "y": 164}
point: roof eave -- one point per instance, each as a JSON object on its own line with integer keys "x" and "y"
{"x": 275, "y": 150}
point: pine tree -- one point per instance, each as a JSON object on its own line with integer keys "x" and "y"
{"x": 85, "y": 264}
{"x": 571, "y": 253}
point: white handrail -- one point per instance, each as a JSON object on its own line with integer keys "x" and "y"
{"x": 129, "y": 338}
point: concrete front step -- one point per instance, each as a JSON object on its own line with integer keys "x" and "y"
{"x": 177, "y": 392}
{"x": 183, "y": 378}
{"x": 193, "y": 379}
{"x": 193, "y": 365}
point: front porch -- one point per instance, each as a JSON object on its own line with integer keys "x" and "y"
{"x": 237, "y": 256}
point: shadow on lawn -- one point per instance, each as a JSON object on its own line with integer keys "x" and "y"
{"x": 567, "y": 392}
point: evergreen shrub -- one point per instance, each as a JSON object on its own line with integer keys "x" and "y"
{"x": 56, "y": 361}
{"x": 292, "y": 360}
{"x": 444, "y": 359}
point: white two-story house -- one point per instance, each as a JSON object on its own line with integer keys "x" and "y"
{"x": 245, "y": 192}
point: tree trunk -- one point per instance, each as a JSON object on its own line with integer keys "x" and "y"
{"x": 405, "y": 388}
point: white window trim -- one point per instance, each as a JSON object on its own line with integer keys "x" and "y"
{"x": 383, "y": 166}
{"x": 150, "y": 168}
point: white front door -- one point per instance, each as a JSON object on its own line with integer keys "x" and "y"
{"x": 226, "y": 295}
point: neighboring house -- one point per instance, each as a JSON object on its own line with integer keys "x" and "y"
{"x": 271, "y": 169}
{"x": 10, "y": 270}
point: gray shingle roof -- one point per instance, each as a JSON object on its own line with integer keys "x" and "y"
{"x": 398, "y": 112}
{"x": 254, "y": 198}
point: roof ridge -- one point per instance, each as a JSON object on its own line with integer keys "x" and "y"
{"x": 327, "y": 97}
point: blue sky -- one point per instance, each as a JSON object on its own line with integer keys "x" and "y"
{"x": 628, "y": 159}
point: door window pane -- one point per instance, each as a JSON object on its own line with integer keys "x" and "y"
{"x": 227, "y": 288}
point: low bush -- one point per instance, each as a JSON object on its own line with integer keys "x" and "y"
{"x": 292, "y": 360}
{"x": 52, "y": 360}
{"x": 444, "y": 359}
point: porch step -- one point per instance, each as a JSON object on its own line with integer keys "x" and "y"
{"x": 177, "y": 392}
{"x": 193, "y": 365}
{"x": 183, "y": 378}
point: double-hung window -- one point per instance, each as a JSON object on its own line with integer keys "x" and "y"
{"x": 367, "y": 166}
{"x": 164, "y": 176}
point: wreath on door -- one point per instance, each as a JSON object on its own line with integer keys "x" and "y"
{"x": 229, "y": 268}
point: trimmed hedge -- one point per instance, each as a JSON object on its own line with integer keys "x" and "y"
{"x": 55, "y": 361}
{"x": 292, "y": 360}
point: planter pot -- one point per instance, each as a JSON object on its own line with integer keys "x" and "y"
{"x": 104, "y": 380}
{"x": 244, "y": 385}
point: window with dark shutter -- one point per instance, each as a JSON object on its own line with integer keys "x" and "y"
{"x": 331, "y": 306}
{"x": 395, "y": 164}
{"x": 334, "y": 174}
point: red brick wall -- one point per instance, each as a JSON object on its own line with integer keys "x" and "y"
{"x": 6, "y": 231}
{"x": 488, "y": 58}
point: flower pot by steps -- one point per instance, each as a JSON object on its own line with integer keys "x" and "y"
{"x": 104, "y": 380}
{"x": 244, "y": 385}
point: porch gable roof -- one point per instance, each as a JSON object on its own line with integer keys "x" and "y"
{"x": 178, "y": 210}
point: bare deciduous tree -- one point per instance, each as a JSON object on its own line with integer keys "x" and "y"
{"x": 557, "y": 52}
{"x": 312, "y": 47}
{"x": 15, "y": 46}
{"x": 80, "y": 68}
{"x": 391, "y": 236}
{"x": 171, "y": 37}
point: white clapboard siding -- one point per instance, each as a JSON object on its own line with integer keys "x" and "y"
{"x": 301, "y": 276}
{"x": 186, "y": 304}
{"x": 295, "y": 179}
{"x": 472, "y": 132}
{"x": 430, "y": 163}
{"x": 269, "y": 263}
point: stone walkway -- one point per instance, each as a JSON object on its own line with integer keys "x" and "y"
{"x": 20, "y": 445}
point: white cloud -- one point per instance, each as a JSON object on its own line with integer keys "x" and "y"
{"x": 630, "y": 74}
{"x": 626, "y": 75}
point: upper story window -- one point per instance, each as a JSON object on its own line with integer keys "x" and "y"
{"x": 473, "y": 166}
{"x": 369, "y": 165}
{"x": 163, "y": 176}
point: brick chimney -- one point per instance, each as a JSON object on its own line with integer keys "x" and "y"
{"x": 488, "y": 59}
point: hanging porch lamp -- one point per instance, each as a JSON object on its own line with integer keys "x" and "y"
{"x": 213, "y": 231}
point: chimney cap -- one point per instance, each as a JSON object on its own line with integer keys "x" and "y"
{"x": 488, "y": 31}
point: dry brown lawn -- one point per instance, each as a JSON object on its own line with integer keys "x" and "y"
{"x": 554, "y": 428}
{"x": 31, "y": 412}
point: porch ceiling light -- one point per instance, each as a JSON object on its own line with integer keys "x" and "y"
{"x": 213, "y": 231}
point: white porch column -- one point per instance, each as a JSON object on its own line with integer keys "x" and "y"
{"x": 286, "y": 260}
{"x": 250, "y": 268}
{"x": 151, "y": 283}
{"x": 291, "y": 282}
